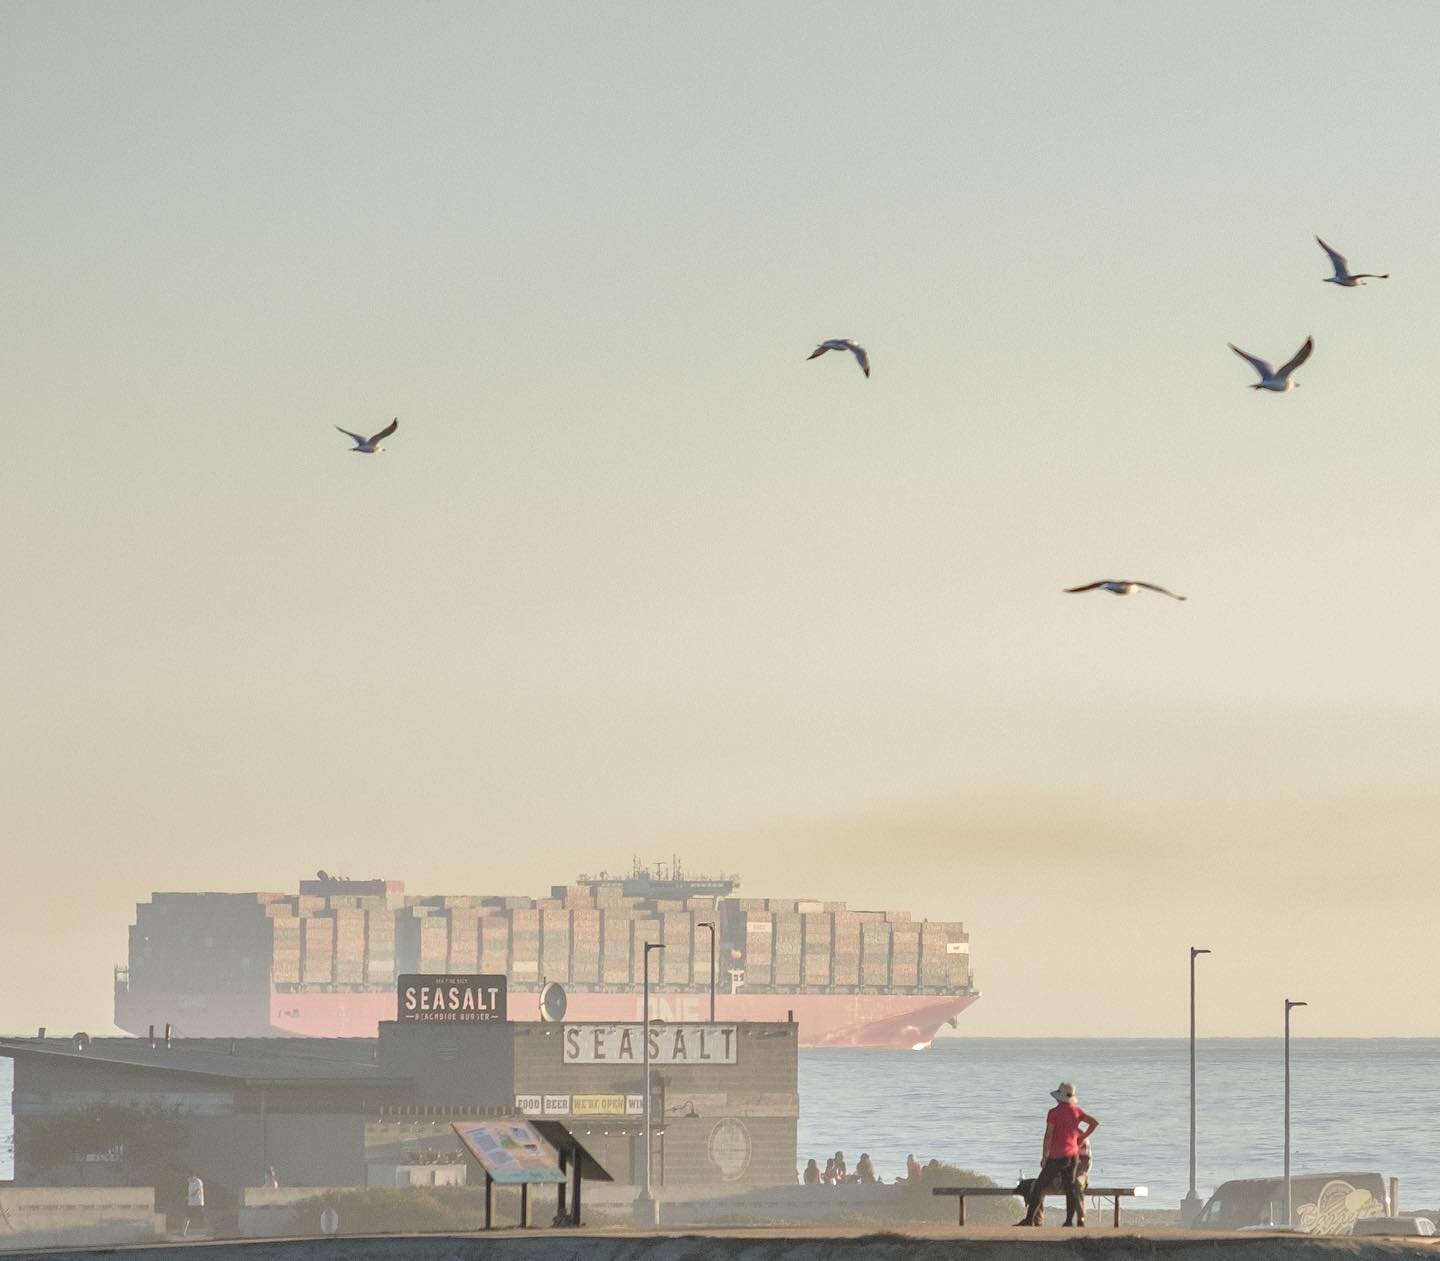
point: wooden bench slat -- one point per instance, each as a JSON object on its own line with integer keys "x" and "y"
{"x": 961, "y": 1194}
{"x": 1105, "y": 1191}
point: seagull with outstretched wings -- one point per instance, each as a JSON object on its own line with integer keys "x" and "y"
{"x": 1343, "y": 275}
{"x": 371, "y": 445}
{"x": 1278, "y": 382}
{"x": 843, "y": 343}
{"x": 1121, "y": 586}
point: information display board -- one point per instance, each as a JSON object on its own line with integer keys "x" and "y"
{"x": 511, "y": 1152}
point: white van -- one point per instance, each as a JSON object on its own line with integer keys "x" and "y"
{"x": 1324, "y": 1203}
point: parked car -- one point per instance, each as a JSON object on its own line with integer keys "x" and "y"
{"x": 1324, "y": 1203}
{"x": 1392, "y": 1226}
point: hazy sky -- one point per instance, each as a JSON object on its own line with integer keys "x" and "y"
{"x": 634, "y": 577}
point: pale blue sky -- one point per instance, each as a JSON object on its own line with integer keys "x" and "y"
{"x": 635, "y": 577}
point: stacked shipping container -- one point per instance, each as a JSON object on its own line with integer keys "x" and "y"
{"x": 590, "y": 936}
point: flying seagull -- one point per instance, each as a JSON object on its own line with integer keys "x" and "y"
{"x": 1278, "y": 382}
{"x": 1122, "y": 586}
{"x": 1343, "y": 274}
{"x": 843, "y": 343}
{"x": 371, "y": 445}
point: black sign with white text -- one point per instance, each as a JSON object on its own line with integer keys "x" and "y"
{"x": 442, "y": 997}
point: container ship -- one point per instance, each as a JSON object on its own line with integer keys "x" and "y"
{"x": 324, "y": 962}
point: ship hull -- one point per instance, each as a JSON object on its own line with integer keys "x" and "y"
{"x": 887, "y": 1021}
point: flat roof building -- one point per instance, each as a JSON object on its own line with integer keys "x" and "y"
{"x": 323, "y": 1111}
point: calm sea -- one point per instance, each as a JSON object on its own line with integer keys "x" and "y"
{"x": 980, "y": 1103}
{"x": 1361, "y": 1104}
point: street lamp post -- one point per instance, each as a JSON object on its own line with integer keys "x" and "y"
{"x": 1190, "y": 1205}
{"x": 1289, "y": 1206}
{"x": 711, "y": 927}
{"x": 645, "y": 1203}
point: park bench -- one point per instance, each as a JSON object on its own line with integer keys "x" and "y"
{"x": 1102, "y": 1193}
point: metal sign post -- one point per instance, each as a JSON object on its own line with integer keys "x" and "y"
{"x": 711, "y": 927}
{"x": 1190, "y": 1205}
{"x": 645, "y": 1208}
{"x": 1289, "y": 1205}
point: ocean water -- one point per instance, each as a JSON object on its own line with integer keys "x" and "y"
{"x": 980, "y": 1103}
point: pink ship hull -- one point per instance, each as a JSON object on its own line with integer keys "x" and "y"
{"x": 893, "y": 1021}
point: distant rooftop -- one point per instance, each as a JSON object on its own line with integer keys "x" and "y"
{"x": 312, "y": 1060}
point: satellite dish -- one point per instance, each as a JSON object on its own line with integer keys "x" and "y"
{"x": 552, "y": 1003}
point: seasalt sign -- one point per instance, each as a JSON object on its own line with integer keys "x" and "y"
{"x": 444, "y": 997}
{"x": 669, "y": 1044}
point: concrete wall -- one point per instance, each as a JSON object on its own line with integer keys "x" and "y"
{"x": 269, "y": 1211}
{"x": 378, "y": 1175}
{"x": 51, "y": 1217}
{"x": 779, "y": 1245}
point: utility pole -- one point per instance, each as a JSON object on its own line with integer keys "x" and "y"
{"x": 646, "y": 1211}
{"x": 1190, "y": 1205}
{"x": 711, "y": 927}
{"x": 1289, "y": 1204}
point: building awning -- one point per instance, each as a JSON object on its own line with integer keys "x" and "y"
{"x": 561, "y": 1137}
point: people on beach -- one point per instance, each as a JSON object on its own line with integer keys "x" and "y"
{"x": 835, "y": 1174}
{"x": 1067, "y": 1125}
{"x": 272, "y": 1179}
{"x": 913, "y": 1171}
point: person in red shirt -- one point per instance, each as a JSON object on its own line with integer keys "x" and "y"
{"x": 1067, "y": 1125}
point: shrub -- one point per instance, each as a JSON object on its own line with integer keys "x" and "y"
{"x": 415, "y": 1210}
{"x": 144, "y": 1143}
{"x": 921, "y": 1205}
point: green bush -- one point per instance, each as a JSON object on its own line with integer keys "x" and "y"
{"x": 922, "y": 1205}
{"x": 415, "y": 1210}
{"x": 144, "y": 1142}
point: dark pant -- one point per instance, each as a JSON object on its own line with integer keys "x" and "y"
{"x": 1057, "y": 1171}
{"x": 1076, "y": 1211}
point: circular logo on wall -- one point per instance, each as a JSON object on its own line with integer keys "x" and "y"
{"x": 730, "y": 1149}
